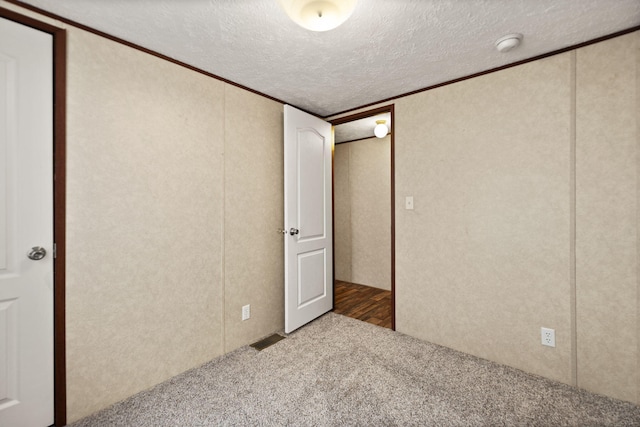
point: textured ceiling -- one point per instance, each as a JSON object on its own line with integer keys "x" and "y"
{"x": 387, "y": 47}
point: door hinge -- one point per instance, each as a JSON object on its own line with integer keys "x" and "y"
{"x": 55, "y": 251}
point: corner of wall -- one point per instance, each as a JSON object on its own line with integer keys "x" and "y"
{"x": 254, "y": 211}
{"x": 607, "y": 217}
{"x": 637, "y": 50}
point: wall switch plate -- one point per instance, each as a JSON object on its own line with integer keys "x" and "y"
{"x": 246, "y": 312}
{"x": 408, "y": 202}
{"x": 548, "y": 337}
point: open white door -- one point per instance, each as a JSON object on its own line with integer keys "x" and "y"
{"x": 308, "y": 260}
{"x": 26, "y": 226}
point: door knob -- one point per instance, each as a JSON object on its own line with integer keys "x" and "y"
{"x": 294, "y": 231}
{"x": 37, "y": 253}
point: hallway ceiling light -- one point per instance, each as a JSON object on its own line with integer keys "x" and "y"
{"x": 318, "y": 15}
{"x": 381, "y": 130}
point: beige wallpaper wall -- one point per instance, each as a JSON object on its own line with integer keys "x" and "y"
{"x": 144, "y": 215}
{"x": 342, "y": 212}
{"x": 174, "y": 188}
{"x": 254, "y": 200}
{"x": 487, "y": 257}
{"x": 607, "y": 137}
{"x": 483, "y": 261}
{"x": 362, "y": 177}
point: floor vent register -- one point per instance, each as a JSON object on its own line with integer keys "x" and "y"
{"x": 267, "y": 342}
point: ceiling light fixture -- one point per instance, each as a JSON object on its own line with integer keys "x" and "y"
{"x": 318, "y": 15}
{"x": 381, "y": 130}
{"x": 508, "y": 42}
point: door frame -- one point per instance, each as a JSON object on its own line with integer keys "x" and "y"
{"x": 361, "y": 115}
{"x": 59, "y": 45}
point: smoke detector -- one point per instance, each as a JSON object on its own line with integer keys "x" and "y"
{"x": 508, "y": 42}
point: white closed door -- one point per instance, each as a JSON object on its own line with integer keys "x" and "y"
{"x": 308, "y": 146}
{"x": 26, "y": 226}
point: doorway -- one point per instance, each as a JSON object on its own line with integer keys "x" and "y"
{"x": 364, "y": 234}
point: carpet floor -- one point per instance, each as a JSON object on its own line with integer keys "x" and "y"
{"x": 339, "y": 371}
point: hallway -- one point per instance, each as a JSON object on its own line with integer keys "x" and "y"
{"x": 364, "y": 303}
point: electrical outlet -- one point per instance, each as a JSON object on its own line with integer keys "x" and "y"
{"x": 246, "y": 312}
{"x": 548, "y": 337}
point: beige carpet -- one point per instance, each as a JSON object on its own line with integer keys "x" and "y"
{"x": 339, "y": 371}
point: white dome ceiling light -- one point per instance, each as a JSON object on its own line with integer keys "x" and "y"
{"x": 508, "y": 42}
{"x": 318, "y": 15}
{"x": 381, "y": 130}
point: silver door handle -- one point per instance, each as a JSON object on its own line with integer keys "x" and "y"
{"x": 294, "y": 231}
{"x": 37, "y": 253}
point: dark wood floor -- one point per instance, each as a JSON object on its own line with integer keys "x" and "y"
{"x": 361, "y": 302}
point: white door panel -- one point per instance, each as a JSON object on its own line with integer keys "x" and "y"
{"x": 308, "y": 247}
{"x": 311, "y": 273}
{"x": 311, "y": 147}
{"x": 26, "y": 221}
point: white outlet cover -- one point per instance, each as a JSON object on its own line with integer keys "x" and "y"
{"x": 548, "y": 337}
{"x": 246, "y": 312}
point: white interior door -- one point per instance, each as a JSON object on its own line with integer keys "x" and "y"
{"x": 26, "y": 221}
{"x": 308, "y": 236}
